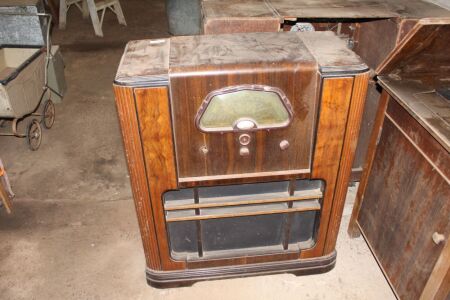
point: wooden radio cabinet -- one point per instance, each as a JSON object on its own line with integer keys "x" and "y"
{"x": 403, "y": 201}
{"x": 239, "y": 149}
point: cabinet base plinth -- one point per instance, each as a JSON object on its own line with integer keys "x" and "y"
{"x": 168, "y": 279}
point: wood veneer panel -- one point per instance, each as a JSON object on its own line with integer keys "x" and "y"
{"x": 334, "y": 108}
{"x": 421, "y": 137}
{"x": 348, "y": 153}
{"x": 368, "y": 121}
{"x": 239, "y": 16}
{"x": 353, "y": 229}
{"x": 241, "y": 260}
{"x": 265, "y": 155}
{"x": 376, "y": 39}
{"x": 135, "y": 160}
{"x": 152, "y": 105}
{"x": 405, "y": 202}
{"x": 238, "y": 25}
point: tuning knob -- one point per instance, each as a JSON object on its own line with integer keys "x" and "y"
{"x": 244, "y": 151}
{"x": 244, "y": 139}
{"x": 204, "y": 150}
{"x": 438, "y": 238}
{"x": 284, "y": 144}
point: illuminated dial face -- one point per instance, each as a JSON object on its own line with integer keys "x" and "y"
{"x": 244, "y": 108}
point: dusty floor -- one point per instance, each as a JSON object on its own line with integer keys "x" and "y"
{"x": 74, "y": 235}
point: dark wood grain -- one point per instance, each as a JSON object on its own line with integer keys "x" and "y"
{"x": 353, "y": 229}
{"x": 368, "y": 120}
{"x": 322, "y": 138}
{"x": 152, "y": 105}
{"x": 421, "y": 137}
{"x": 376, "y": 39}
{"x": 136, "y": 167}
{"x": 414, "y": 205}
{"x": 412, "y": 51}
{"x": 223, "y": 156}
{"x": 252, "y": 266}
{"x": 334, "y": 107}
{"x": 349, "y": 146}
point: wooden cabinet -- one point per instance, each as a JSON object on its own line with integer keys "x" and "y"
{"x": 239, "y": 149}
{"x": 403, "y": 202}
{"x": 371, "y": 28}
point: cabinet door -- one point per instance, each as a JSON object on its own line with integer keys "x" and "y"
{"x": 405, "y": 202}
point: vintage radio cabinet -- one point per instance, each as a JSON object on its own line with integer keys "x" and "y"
{"x": 403, "y": 201}
{"x": 239, "y": 148}
{"x": 372, "y": 27}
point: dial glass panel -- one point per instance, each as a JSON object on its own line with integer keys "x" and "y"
{"x": 244, "y": 108}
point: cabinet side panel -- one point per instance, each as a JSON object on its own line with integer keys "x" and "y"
{"x": 136, "y": 168}
{"x": 367, "y": 125}
{"x": 353, "y": 229}
{"x": 152, "y": 105}
{"x": 348, "y": 153}
{"x": 405, "y": 202}
{"x": 376, "y": 39}
{"x": 334, "y": 107}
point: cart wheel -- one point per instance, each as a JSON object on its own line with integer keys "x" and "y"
{"x": 48, "y": 116}
{"x": 34, "y": 134}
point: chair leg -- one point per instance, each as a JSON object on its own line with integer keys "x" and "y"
{"x": 94, "y": 18}
{"x": 119, "y": 13}
{"x": 5, "y": 199}
{"x": 85, "y": 9}
{"x": 62, "y": 14}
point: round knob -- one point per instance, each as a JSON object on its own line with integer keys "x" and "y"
{"x": 284, "y": 145}
{"x": 244, "y": 151}
{"x": 244, "y": 139}
{"x": 204, "y": 150}
{"x": 438, "y": 238}
{"x": 245, "y": 125}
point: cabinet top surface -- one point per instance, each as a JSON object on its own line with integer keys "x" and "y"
{"x": 153, "y": 60}
{"x": 353, "y": 9}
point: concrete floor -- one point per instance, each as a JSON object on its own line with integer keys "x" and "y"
{"x": 74, "y": 235}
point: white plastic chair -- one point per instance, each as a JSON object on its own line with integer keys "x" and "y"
{"x": 91, "y": 7}
{"x": 64, "y": 6}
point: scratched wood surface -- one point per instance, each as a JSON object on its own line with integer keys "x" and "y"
{"x": 232, "y": 49}
{"x": 416, "y": 70}
{"x": 429, "y": 108}
{"x": 399, "y": 219}
{"x": 152, "y": 106}
{"x": 319, "y": 9}
{"x": 423, "y": 50}
{"x": 335, "y": 102}
{"x": 144, "y": 61}
{"x": 410, "y": 162}
{"x": 355, "y": 113}
{"x": 265, "y": 155}
{"x": 198, "y": 65}
{"x": 136, "y": 167}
